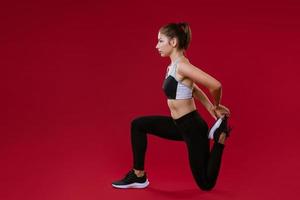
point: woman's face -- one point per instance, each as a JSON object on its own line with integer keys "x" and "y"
{"x": 164, "y": 46}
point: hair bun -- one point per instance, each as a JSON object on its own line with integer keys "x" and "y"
{"x": 183, "y": 26}
{"x": 179, "y": 30}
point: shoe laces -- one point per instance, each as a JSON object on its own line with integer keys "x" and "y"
{"x": 129, "y": 175}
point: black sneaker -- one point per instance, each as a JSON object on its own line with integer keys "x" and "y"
{"x": 131, "y": 181}
{"x": 220, "y": 126}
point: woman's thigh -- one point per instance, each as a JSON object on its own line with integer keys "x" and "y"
{"x": 195, "y": 133}
{"x": 161, "y": 126}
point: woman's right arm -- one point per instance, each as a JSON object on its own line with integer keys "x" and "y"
{"x": 213, "y": 85}
{"x": 199, "y": 76}
{"x": 214, "y": 111}
{"x": 201, "y": 96}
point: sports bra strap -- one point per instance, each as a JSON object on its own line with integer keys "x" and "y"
{"x": 177, "y": 60}
{"x": 174, "y": 66}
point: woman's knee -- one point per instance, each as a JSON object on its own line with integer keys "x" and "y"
{"x": 137, "y": 123}
{"x": 205, "y": 186}
{"x": 203, "y": 183}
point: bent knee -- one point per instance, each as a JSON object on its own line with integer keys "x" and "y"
{"x": 137, "y": 122}
{"x": 205, "y": 187}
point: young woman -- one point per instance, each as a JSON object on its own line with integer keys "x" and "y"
{"x": 185, "y": 123}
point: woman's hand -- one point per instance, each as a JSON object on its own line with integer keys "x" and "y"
{"x": 219, "y": 111}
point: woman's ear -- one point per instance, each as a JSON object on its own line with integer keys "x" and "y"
{"x": 173, "y": 42}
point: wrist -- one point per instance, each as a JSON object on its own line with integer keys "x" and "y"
{"x": 216, "y": 106}
{"x": 210, "y": 107}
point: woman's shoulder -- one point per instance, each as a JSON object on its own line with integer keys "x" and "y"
{"x": 187, "y": 69}
{"x": 185, "y": 65}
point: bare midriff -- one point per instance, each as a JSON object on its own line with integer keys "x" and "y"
{"x": 180, "y": 107}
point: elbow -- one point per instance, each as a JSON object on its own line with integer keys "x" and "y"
{"x": 216, "y": 88}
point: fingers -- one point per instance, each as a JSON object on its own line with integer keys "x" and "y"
{"x": 223, "y": 109}
{"x": 221, "y": 113}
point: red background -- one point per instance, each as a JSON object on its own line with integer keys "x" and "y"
{"x": 75, "y": 73}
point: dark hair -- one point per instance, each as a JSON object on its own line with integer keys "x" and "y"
{"x": 181, "y": 31}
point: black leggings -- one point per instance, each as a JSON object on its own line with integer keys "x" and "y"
{"x": 191, "y": 129}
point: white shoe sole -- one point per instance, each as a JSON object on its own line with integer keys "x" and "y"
{"x": 133, "y": 185}
{"x": 214, "y": 128}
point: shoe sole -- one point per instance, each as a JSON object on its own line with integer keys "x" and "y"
{"x": 214, "y": 128}
{"x": 132, "y": 185}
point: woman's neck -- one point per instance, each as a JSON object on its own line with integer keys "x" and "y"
{"x": 175, "y": 55}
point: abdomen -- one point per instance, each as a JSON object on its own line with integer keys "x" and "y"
{"x": 180, "y": 107}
